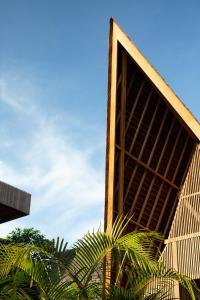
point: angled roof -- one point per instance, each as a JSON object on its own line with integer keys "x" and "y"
{"x": 151, "y": 138}
{"x": 117, "y": 35}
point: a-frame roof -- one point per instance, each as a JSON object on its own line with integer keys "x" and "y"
{"x": 183, "y": 113}
{"x": 151, "y": 137}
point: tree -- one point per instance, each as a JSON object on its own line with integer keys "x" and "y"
{"x": 78, "y": 274}
{"x": 28, "y": 235}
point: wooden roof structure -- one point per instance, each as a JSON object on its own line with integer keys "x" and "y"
{"x": 150, "y": 139}
{"x": 14, "y": 203}
{"x": 152, "y": 156}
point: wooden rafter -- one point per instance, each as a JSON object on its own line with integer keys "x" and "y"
{"x": 148, "y": 168}
{"x": 134, "y": 105}
{"x": 141, "y": 120}
{"x": 122, "y": 135}
{"x": 173, "y": 151}
{"x": 165, "y": 145}
{"x": 149, "y": 130}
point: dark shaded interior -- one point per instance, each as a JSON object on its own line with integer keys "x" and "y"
{"x": 152, "y": 151}
{"x": 7, "y": 213}
{"x": 184, "y": 295}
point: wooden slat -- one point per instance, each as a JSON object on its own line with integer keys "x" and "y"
{"x": 146, "y": 200}
{"x": 130, "y": 182}
{"x": 142, "y": 180}
{"x": 175, "y": 266}
{"x": 173, "y": 151}
{"x": 149, "y": 130}
{"x": 143, "y": 147}
{"x": 155, "y": 204}
{"x": 149, "y": 168}
{"x": 133, "y": 221}
{"x": 137, "y": 193}
{"x": 180, "y": 159}
{"x": 119, "y": 81}
{"x": 161, "y": 186}
{"x": 165, "y": 174}
{"x": 110, "y": 154}
{"x": 182, "y": 237}
{"x": 134, "y": 105}
{"x": 141, "y": 120}
{"x": 128, "y": 89}
{"x": 133, "y": 141}
{"x": 131, "y": 82}
{"x": 185, "y": 229}
{"x": 170, "y": 217}
{"x": 158, "y": 136}
{"x": 165, "y": 145}
{"x": 122, "y": 135}
{"x": 163, "y": 210}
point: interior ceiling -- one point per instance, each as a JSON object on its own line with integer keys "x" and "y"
{"x": 152, "y": 150}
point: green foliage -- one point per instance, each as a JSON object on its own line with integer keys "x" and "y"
{"x": 59, "y": 273}
{"x": 29, "y": 235}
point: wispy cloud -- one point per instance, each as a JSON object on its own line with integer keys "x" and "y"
{"x": 67, "y": 187}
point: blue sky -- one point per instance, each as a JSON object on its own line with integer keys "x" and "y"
{"x": 53, "y": 90}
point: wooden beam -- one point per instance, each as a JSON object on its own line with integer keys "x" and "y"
{"x": 149, "y": 168}
{"x": 130, "y": 182}
{"x": 149, "y": 130}
{"x": 182, "y": 237}
{"x": 170, "y": 216}
{"x": 146, "y": 200}
{"x": 165, "y": 144}
{"x": 128, "y": 89}
{"x": 155, "y": 204}
{"x": 131, "y": 82}
{"x": 175, "y": 202}
{"x": 173, "y": 151}
{"x": 192, "y": 210}
{"x": 180, "y": 159}
{"x": 119, "y": 81}
{"x": 141, "y": 151}
{"x": 158, "y": 136}
{"x": 141, "y": 120}
{"x": 175, "y": 266}
{"x": 190, "y": 195}
{"x": 165, "y": 174}
{"x": 135, "y": 104}
{"x": 134, "y": 222}
{"x": 122, "y": 134}
{"x": 138, "y": 192}
{"x": 174, "y": 176}
{"x": 163, "y": 209}
{"x": 110, "y": 154}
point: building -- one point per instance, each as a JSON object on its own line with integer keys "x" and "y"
{"x": 152, "y": 156}
{"x": 14, "y": 203}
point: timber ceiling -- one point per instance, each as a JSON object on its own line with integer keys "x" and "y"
{"x": 152, "y": 150}
{"x": 150, "y": 140}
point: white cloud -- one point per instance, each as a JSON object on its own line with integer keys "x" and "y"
{"x": 66, "y": 187}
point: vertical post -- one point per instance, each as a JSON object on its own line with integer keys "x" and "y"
{"x": 175, "y": 266}
{"x": 110, "y": 151}
{"x": 122, "y": 134}
{"x": 111, "y": 119}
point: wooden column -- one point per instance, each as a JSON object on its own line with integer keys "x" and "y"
{"x": 122, "y": 134}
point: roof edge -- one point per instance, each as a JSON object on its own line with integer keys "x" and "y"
{"x": 191, "y": 123}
